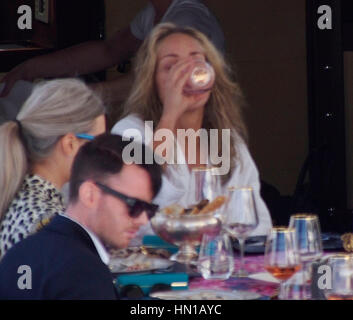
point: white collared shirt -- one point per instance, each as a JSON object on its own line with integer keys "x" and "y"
{"x": 103, "y": 254}
{"x": 176, "y": 178}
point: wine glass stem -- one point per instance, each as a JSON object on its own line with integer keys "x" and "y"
{"x": 241, "y": 244}
{"x": 307, "y": 270}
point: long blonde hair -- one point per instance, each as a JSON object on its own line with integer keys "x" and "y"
{"x": 54, "y": 109}
{"x": 223, "y": 110}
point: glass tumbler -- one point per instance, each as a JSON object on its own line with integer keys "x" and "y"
{"x": 216, "y": 260}
{"x": 202, "y": 77}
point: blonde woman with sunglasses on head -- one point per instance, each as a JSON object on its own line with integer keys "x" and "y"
{"x": 38, "y": 149}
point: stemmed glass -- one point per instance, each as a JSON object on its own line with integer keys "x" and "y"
{"x": 282, "y": 259}
{"x": 309, "y": 244}
{"x": 240, "y": 218}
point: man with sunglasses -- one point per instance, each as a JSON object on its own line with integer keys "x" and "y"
{"x": 108, "y": 202}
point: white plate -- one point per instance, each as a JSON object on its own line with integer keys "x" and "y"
{"x": 205, "y": 294}
{"x": 138, "y": 263}
{"x": 264, "y": 276}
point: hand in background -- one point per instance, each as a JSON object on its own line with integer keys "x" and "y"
{"x": 16, "y": 74}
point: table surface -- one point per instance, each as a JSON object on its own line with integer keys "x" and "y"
{"x": 252, "y": 264}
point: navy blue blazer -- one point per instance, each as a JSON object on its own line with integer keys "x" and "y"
{"x": 63, "y": 262}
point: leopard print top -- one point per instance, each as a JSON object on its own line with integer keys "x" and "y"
{"x": 35, "y": 204}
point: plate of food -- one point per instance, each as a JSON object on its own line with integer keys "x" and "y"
{"x": 139, "y": 259}
{"x": 206, "y": 294}
{"x": 203, "y": 207}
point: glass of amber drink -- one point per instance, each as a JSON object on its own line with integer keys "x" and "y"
{"x": 282, "y": 258}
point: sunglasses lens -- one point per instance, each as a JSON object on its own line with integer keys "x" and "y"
{"x": 137, "y": 209}
{"x": 140, "y": 207}
{"x": 150, "y": 212}
{"x": 132, "y": 292}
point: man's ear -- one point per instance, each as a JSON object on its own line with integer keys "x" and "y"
{"x": 89, "y": 194}
{"x": 69, "y": 144}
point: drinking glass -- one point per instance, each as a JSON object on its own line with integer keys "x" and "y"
{"x": 240, "y": 218}
{"x": 204, "y": 184}
{"x": 216, "y": 260}
{"x": 282, "y": 259}
{"x": 309, "y": 244}
{"x": 341, "y": 273}
{"x": 201, "y": 79}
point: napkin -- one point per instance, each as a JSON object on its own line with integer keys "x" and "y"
{"x": 177, "y": 281}
{"x": 264, "y": 276}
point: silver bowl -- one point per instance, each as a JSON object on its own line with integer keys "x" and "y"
{"x": 185, "y": 231}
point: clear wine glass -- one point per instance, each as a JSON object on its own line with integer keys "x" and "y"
{"x": 282, "y": 258}
{"x": 240, "y": 219}
{"x": 308, "y": 235}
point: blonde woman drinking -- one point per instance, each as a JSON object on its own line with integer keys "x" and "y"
{"x": 159, "y": 96}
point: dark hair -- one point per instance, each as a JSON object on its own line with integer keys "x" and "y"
{"x": 102, "y": 157}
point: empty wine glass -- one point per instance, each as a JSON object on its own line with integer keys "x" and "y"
{"x": 309, "y": 244}
{"x": 341, "y": 274}
{"x": 240, "y": 218}
{"x": 282, "y": 259}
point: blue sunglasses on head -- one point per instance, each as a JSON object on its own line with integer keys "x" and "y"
{"x": 84, "y": 136}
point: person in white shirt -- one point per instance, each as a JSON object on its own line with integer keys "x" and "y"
{"x": 163, "y": 67}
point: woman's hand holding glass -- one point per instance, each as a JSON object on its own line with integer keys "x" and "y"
{"x": 173, "y": 80}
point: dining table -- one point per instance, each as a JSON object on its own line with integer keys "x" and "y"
{"x": 254, "y": 265}
{"x": 259, "y": 281}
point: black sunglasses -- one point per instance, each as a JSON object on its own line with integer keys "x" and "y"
{"x": 136, "y": 206}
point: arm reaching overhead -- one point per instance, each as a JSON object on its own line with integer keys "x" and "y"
{"x": 83, "y": 58}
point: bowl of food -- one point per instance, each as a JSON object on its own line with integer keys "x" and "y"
{"x": 184, "y": 227}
